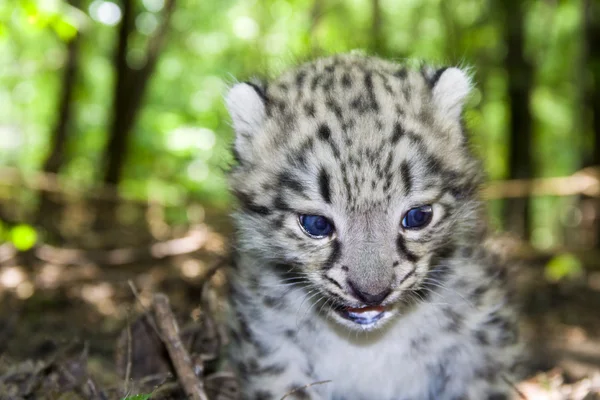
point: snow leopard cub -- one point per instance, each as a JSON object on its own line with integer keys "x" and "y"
{"x": 359, "y": 252}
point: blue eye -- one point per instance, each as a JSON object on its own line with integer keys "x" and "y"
{"x": 315, "y": 226}
{"x": 417, "y": 217}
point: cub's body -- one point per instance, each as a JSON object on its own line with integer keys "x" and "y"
{"x": 360, "y": 257}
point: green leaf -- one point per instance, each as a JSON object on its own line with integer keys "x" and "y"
{"x": 138, "y": 397}
{"x": 563, "y": 266}
{"x": 64, "y": 29}
{"x": 3, "y": 232}
{"x": 23, "y": 237}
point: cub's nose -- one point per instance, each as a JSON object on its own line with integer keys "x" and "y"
{"x": 371, "y": 299}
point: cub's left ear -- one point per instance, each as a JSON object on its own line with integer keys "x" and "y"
{"x": 451, "y": 86}
{"x": 246, "y": 105}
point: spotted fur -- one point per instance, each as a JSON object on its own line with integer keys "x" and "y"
{"x": 361, "y": 140}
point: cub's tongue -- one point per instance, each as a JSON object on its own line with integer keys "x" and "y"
{"x": 364, "y": 315}
{"x": 361, "y": 310}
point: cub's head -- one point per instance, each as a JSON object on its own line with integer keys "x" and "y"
{"x": 355, "y": 173}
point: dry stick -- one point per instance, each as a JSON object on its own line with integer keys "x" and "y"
{"x": 93, "y": 390}
{"x": 129, "y": 346}
{"x": 303, "y": 387}
{"x": 182, "y": 362}
{"x": 514, "y": 386}
{"x": 147, "y": 316}
{"x": 214, "y": 267}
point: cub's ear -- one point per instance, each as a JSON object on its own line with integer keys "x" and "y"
{"x": 451, "y": 87}
{"x": 246, "y": 105}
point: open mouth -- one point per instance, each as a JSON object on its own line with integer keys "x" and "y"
{"x": 363, "y": 315}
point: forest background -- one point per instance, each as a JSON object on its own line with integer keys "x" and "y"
{"x": 114, "y": 140}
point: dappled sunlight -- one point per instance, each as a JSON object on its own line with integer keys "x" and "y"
{"x": 106, "y": 12}
{"x": 191, "y": 268}
{"x": 11, "y": 277}
{"x": 101, "y": 296}
{"x": 51, "y": 276}
{"x": 245, "y": 27}
{"x": 25, "y": 290}
{"x": 15, "y": 279}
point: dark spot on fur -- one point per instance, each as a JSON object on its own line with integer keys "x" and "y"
{"x": 290, "y": 333}
{"x": 455, "y": 320}
{"x": 278, "y": 221}
{"x": 324, "y": 133}
{"x": 408, "y": 275}
{"x": 401, "y": 73}
{"x": 287, "y": 179}
{"x": 403, "y": 250}
{"x": 480, "y": 337}
{"x": 272, "y": 302}
{"x": 259, "y": 90}
{"x": 300, "y": 77}
{"x": 346, "y": 81}
{"x": 331, "y": 104}
{"x": 280, "y": 204}
{"x": 324, "y": 186}
{"x": 248, "y": 204}
{"x": 398, "y": 133}
{"x": 407, "y": 180}
{"x": 336, "y": 252}
{"x": 497, "y": 396}
{"x": 436, "y": 77}
{"x": 309, "y": 109}
{"x": 315, "y": 82}
{"x": 262, "y": 395}
{"x": 334, "y": 282}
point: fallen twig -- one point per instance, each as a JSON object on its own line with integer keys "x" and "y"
{"x": 149, "y": 319}
{"x": 515, "y": 388}
{"x": 214, "y": 267}
{"x": 182, "y": 363}
{"x": 129, "y": 346}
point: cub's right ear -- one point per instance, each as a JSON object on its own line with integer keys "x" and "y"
{"x": 246, "y": 104}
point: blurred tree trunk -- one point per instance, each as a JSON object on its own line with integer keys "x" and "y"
{"x": 316, "y": 14}
{"x": 592, "y": 40}
{"x": 122, "y": 110}
{"x": 452, "y": 31}
{"x": 47, "y": 208}
{"x": 585, "y": 233}
{"x": 520, "y": 75}
{"x": 130, "y": 87}
{"x": 377, "y": 39}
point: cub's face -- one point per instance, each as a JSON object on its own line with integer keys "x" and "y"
{"x": 354, "y": 176}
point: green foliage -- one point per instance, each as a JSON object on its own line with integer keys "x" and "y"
{"x": 56, "y": 15}
{"x": 181, "y": 138}
{"x": 564, "y": 266}
{"x": 23, "y": 237}
{"x": 138, "y": 397}
{"x": 4, "y": 232}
